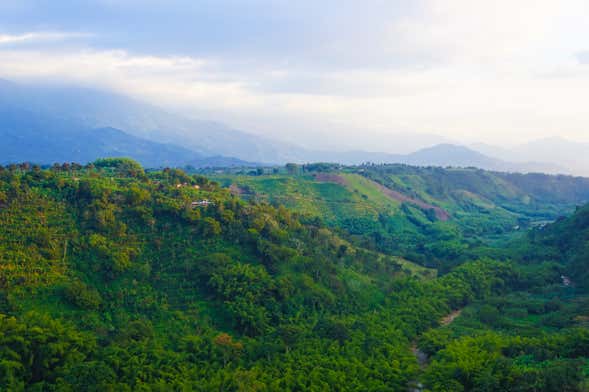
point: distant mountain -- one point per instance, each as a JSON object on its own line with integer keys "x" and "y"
{"x": 571, "y": 154}
{"x": 39, "y": 138}
{"x": 439, "y": 155}
{"x": 450, "y": 155}
{"x": 361, "y": 140}
{"x": 99, "y": 109}
{"x": 71, "y": 123}
{"x": 407, "y": 142}
{"x": 566, "y": 155}
{"x": 461, "y": 156}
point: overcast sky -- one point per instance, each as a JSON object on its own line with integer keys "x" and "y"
{"x": 500, "y": 71}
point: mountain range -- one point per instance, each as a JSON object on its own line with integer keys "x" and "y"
{"x": 46, "y": 124}
{"x": 568, "y": 154}
{"x": 32, "y": 137}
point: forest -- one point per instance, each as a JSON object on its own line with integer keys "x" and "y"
{"x": 296, "y": 278}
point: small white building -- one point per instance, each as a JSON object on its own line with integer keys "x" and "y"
{"x": 201, "y": 203}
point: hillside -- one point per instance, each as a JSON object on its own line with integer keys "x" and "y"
{"x": 565, "y": 241}
{"x": 127, "y": 265}
{"x": 117, "y": 279}
{"x": 392, "y": 208}
{"x": 541, "y": 323}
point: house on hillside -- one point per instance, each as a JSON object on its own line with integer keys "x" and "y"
{"x": 201, "y": 203}
{"x": 185, "y": 184}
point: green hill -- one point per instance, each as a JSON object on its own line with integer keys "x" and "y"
{"x": 116, "y": 279}
{"x": 541, "y": 326}
{"x": 106, "y": 262}
{"x": 566, "y": 241}
{"x": 454, "y": 213}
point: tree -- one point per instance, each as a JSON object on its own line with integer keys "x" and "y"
{"x": 82, "y": 295}
{"x": 227, "y": 348}
{"x": 137, "y": 195}
{"x": 125, "y": 166}
{"x": 292, "y": 168}
{"x": 489, "y": 314}
{"x": 290, "y": 334}
{"x": 211, "y": 227}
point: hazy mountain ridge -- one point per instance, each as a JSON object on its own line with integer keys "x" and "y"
{"x": 573, "y": 156}
{"x": 59, "y": 121}
{"x": 38, "y": 138}
{"x": 455, "y": 155}
{"x": 98, "y": 109}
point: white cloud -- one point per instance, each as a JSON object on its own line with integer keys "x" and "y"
{"x": 469, "y": 106}
{"x": 182, "y": 81}
{"x": 502, "y": 72}
{"x": 39, "y": 37}
{"x": 583, "y": 57}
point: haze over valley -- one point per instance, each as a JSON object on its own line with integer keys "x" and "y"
{"x": 47, "y": 124}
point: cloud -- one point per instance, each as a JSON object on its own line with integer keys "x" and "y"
{"x": 439, "y": 100}
{"x": 494, "y": 35}
{"x": 39, "y": 37}
{"x": 583, "y": 57}
{"x": 499, "y": 71}
{"x": 175, "y": 79}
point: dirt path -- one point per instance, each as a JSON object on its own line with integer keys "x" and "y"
{"x": 422, "y": 358}
{"x": 447, "y": 320}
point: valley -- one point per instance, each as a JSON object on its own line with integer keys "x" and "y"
{"x": 398, "y": 209}
{"x": 295, "y": 279}
{"x": 294, "y": 196}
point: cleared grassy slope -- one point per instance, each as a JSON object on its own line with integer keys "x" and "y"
{"x": 328, "y": 199}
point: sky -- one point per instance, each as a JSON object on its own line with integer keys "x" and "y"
{"x": 332, "y": 71}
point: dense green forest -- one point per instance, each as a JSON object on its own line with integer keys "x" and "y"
{"x": 374, "y": 278}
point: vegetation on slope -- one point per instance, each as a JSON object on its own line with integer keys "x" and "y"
{"x": 117, "y": 279}
{"x": 534, "y": 338}
{"x": 433, "y": 216}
